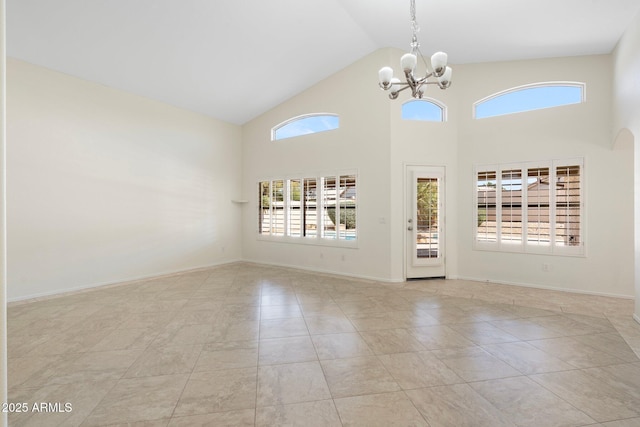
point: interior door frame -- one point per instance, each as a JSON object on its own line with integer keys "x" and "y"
{"x": 407, "y": 195}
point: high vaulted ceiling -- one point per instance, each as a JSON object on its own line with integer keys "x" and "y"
{"x": 235, "y": 59}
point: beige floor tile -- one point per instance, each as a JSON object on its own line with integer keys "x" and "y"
{"x": 178, "y": 334}
{"x": 22, "y": 345}
{"x": 321, "y": 413}
{"x": 391, "y": 320}
{"x": 365, "y": 305}
{"x": 94, "y": 367}
{"x": 575, "y": 325}
{"x": 165, "y": 361}
{"x": 575, "y": 353}
{"x": 526, "y": 358}
{"x": 488, "y": 313}
{"x": 320, "y": 307}
{"x": 227, "y": 355}
{"x": 291, "y": 383}
{"x": 277, "y": 351}
{"x": 625, "y": 377}
{"x": 286, "y": 298}
{"x": 356, "y": 376}
{"x": 526, "y": 329}
{"x": 241, "y": 418}
{"x": 281, "y": 328}
{"x": 483, "y": 333}
{"x": 383, "y": 410}
{"x": 475, "y": 364}
{"x": 218, "y": 391}
{"x": 321, "y": 325}
{"x": 449, "y": 315}
{"x": 138, "y": 399}
{"x": 126, "y": 339}
{"x": 340, "y": 346}
{"x": 270, "y": 312}
{"x": 234, "y": 330}
{"x": 611, "y": 343}
{"x": 143, "y": 320}
{"x": 439, "y": 337}
{"x": 456, "y": 405}
{"x": 599, "y": 399}
{"x": 69, "y": 343}
{"x": 526, "y": 403}
{"x": 630, "y": 422}
{"x": 30, "y": 372}
{"x": 195, "y": 317}
{"x": 388, "y": 341}
{"x": 418, "y": 370}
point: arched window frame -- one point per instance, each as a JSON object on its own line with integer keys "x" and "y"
{"x": 581, "y": 85}
{"x": 437, "y": 103}
{"x": 302, "y": 117}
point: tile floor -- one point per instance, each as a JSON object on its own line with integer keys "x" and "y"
{"x": 249, "y": 345}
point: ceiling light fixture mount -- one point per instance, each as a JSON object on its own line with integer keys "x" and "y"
{"x": 439, "y": 69}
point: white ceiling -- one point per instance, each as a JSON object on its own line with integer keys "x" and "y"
{"x": 235, "y": 59}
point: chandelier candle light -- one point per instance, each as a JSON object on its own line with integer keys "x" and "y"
{"x": 408, "y": 62}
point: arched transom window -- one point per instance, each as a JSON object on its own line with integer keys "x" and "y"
{"x": 429, "y": 110}
{"x": 529, "y": 97}
{"x": 305, "y": 125}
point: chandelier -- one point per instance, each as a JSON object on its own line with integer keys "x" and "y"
{"x": 440, "y": 73}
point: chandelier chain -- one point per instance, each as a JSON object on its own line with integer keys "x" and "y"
{"x": 415, "y": 28}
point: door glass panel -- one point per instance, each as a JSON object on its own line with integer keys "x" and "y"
{"x": 427, "y": 244}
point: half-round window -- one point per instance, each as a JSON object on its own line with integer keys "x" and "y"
{"x": 529, "y": 97}
{"x": 428, "y": 110}
{"x": 305, "y": 125}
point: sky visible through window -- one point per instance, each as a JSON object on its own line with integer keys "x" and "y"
{"x": 422, "y": 110}
{"x": 527, "y": 99}
{"x": 307, "y": 125}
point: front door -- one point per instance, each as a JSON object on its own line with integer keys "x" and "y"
{"x": 424, "y": 224}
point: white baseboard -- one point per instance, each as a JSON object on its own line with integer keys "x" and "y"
{"x": 322, "y": 271}
{"x": 127, "y": 281}
{"x": 549, "y": 288}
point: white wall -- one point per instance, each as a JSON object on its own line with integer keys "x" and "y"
{"x": 361, "y": 143}
{"x": 626, "y": 119}
{"x": 564, "y": 132}
{"x": 105, "y": 186}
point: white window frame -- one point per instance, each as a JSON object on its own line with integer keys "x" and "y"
{"x": 320, "y": 238}
{"x": 524, "y": 246}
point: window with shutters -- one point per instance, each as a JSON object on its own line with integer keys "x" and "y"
{"x": 309, "y": 209}
{"x": 530, "y": 207}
